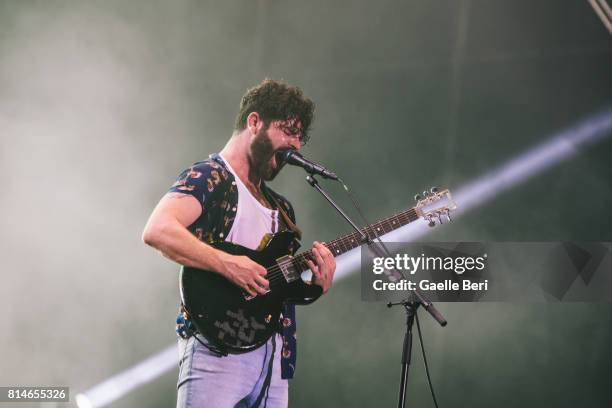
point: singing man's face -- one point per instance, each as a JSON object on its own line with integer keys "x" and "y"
{"x": 268, "y": 143}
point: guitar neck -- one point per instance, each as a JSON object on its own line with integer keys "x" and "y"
{"x": 350, "y": 241}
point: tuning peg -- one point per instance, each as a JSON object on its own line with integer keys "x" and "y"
{"x": 448, "y": 215}
{"x": 418, "y": 197}
{"x": 430, "y": 221}
{"x": 426, "y": 193}
{"x": 434, "y": 190}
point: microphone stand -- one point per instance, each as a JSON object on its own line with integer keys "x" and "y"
{"x": 315, "y": 183}
{"x": 410, "y": 304}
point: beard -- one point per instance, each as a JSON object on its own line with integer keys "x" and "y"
{"x": 264, "y": 161}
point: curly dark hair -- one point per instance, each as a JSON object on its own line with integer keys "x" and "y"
{"x": 276, "y": 100}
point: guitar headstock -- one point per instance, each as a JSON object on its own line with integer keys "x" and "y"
{"x": 434, "y": 205}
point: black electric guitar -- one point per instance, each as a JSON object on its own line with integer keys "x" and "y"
{"x": 234, "y": 322}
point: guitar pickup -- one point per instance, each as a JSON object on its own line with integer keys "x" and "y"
{"x": 287, "y": 267}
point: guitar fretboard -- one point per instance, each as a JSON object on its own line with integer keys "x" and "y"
{"x": 350, "y": 241}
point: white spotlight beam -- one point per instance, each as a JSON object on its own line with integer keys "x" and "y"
{"x": 120, "y": 384}
{"x": 559, "y": 147}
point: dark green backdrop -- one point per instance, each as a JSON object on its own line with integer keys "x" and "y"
{"x": 103, "y": 103}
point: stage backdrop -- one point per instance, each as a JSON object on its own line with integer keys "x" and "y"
{"x": 104, "y": 103}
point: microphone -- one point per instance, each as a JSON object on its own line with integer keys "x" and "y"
{"x": 294, "y": 158}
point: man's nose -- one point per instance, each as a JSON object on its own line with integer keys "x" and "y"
{"x": 295, "y": 143}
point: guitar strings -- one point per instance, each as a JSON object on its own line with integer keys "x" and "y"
{"x": 275, "y": 272}
{"x": 403, "y": 218}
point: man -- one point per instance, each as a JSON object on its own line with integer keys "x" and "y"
{"x": 226, "y": 198}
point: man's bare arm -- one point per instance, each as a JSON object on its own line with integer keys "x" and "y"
{"x": 167, "y": 232}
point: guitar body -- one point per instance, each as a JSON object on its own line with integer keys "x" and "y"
{"x": 222, "y": 312}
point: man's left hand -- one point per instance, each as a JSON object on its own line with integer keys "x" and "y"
{"x": 323, "y": 267}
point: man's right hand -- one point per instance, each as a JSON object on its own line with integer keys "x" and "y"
{"x": 246, "y": 274}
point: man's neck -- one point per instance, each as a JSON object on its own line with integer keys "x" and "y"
{"x": 236, "y": 152}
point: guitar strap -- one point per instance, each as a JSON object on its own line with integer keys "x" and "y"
{"x": 290, "y": 224}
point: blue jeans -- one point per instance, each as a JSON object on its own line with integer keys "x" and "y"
{"x": 234, "y": 381}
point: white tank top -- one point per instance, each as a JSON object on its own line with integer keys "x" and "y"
{"x": 254, "y": 224}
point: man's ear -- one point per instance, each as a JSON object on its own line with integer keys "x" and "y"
{"x": 254, "y": 122}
